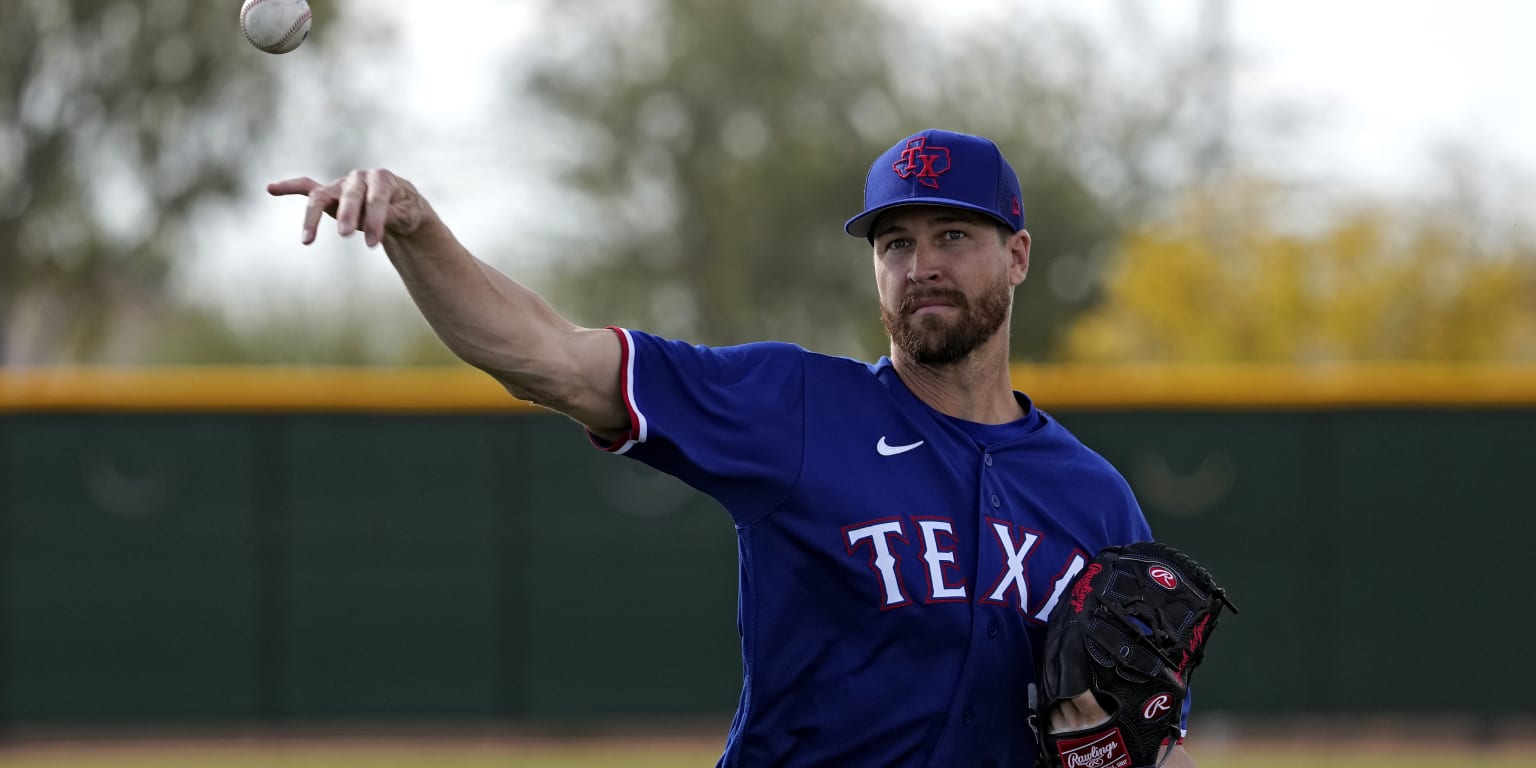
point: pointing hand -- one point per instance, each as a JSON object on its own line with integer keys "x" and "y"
{"x": 375, "y": 202}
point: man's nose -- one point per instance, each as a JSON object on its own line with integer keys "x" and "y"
{"x": 925, "y": 264}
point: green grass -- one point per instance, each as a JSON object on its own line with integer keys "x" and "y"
{"x": 610, "y": 757}
{"x": 1228, "y": 760}
{"x": 323, "y": 758}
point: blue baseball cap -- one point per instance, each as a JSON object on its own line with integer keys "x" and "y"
{"x": 935, "y": 167}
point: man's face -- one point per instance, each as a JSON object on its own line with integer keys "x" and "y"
{"x": 946, "y": 280}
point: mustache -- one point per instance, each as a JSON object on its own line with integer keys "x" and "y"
{"x": 947, "y": 295}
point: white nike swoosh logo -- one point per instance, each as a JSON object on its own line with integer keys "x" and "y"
{"x": 886, "y": 449}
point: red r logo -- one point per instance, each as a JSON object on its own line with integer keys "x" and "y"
{"x": 1163, "y": 577}
{"x": 925, "y": 162}
{"x": 1156, "y": 706}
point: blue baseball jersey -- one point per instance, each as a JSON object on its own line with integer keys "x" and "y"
{"x": 897, "y": 565}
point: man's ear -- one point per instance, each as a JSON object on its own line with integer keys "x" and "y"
{"x": 1018, "y": 251}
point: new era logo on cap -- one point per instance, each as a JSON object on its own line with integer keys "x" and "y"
{"x": 935, "y": 167}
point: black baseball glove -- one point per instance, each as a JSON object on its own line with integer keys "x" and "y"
{"x": 1132, "y": 629}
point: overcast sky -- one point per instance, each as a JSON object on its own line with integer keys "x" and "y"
{"x": 1399, "y": 76}
{"x": 1390, "y": 78}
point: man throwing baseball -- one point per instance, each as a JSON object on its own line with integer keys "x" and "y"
{"x": 906, "y": 527}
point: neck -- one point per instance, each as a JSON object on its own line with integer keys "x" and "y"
{"x": 975, "y": 388}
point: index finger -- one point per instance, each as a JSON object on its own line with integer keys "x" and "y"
{"x": 302, "y": 185}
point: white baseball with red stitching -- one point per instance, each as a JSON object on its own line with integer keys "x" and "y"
{"x": 275, "y": 26}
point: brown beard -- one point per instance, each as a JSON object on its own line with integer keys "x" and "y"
{"x": 928, "y": 341}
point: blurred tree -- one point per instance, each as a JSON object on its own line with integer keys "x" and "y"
{"x": 119, "y": 120}
{"x": 360, "y": 332}
{"x": 719, "y": 146}
{"x": 715, "y": 149}
{"x": 1227, "y": 280}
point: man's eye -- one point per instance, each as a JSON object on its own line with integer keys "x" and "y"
{"x": 898, "y": 242}
{"x": 954, "y": 234}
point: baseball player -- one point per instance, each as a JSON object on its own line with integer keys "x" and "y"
{"x": 905, "y": 526}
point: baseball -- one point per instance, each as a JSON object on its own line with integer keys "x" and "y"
{"x": 275, "y": 26}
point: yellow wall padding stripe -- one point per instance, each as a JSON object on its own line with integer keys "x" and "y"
{"x": 253, "y": 389}
{"x": 1082, "y": 387}
{"x": 1283, "y": 387}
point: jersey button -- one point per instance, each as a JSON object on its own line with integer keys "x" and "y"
{"x": 987, "y": 457}
{"x": 992, "y": 629}
{"x": 968, "y": 718}
{"x": 996, "y": 502}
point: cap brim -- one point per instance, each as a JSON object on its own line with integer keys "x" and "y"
{"x": 860, "y": 225}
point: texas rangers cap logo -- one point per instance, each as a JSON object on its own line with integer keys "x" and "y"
{"x": 926, "y": 163}
{"x": 1163, "y": 576}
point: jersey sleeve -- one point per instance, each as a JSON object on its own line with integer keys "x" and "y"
{"x": 1134, "y": 521}
{"x": 729, "y": 421}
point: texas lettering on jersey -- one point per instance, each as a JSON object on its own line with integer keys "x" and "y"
{"x": 885, "y": 543}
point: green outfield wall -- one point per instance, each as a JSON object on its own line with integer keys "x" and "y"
{"x": 294, "y": 556}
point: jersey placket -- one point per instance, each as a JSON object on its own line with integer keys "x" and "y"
{"x": 958, "y": 745}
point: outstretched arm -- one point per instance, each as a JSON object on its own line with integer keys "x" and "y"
{"x": 486, "y": 318}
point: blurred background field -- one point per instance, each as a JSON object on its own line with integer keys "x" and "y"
{"x": 1284, "y": 278}
{"x": 1335, "y": 183}
{"x": 602, "y": 758}
{"x": 665, "y": 752}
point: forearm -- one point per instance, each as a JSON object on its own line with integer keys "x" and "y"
{"x": 484, "y": 317}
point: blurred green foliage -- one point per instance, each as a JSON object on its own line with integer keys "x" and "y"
{"x": 705, "y": 156}
{"x": 721, "y": 146}
{"x": 119, "y": 122}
